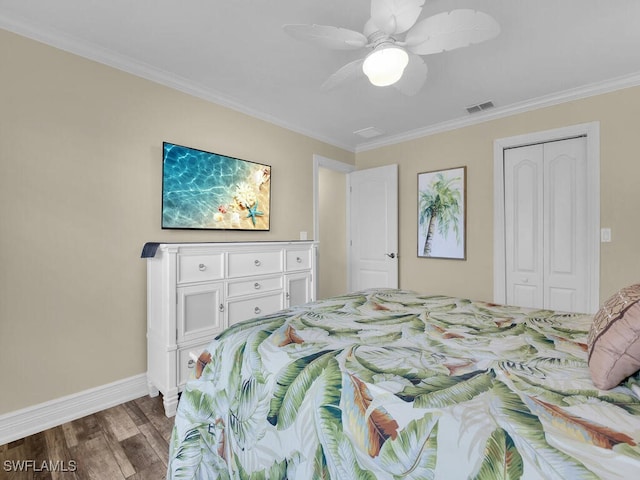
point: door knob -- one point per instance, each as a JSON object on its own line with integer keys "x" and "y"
{"x": 390, "y": 255}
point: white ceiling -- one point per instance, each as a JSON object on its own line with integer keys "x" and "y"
{"x": 235, "y": 53}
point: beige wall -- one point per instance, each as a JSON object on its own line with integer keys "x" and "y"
{"x": 618, "y": 114}
{"x": 80, "y": 179}
{"x": 332, "y": 265}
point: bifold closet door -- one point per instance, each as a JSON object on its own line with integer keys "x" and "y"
{"x": 546, "y": 225}
{"x": 524, "y": 235}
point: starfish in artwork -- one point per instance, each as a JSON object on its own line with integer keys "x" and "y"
{"x": 254, "y": 212}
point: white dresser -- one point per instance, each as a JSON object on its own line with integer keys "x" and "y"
{"x": 195, "y": 290}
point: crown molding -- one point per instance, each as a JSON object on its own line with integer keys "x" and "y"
{"x": 110, "y": 58}
{"x": 585, "y": 91}
{"x": 129, "y": 65}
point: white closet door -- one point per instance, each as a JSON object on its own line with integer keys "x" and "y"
{"x": 546, "y": 225}
{"x": 565, "y": 217}
{"x": 524, "y": 227}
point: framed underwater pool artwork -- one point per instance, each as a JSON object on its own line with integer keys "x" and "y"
{"x": 209, "y": 191}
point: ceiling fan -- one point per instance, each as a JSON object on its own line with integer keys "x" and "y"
{"x": 396, "y": 42}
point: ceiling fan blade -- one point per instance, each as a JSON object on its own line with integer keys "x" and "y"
{"x": 350, "y": 71}
{"x": 335, "y": 38}
{"x": 395, "y": 16}
{"x": 451, "y": 30}
{"x": 414, "y": 76}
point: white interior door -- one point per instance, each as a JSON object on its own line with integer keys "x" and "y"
{"x": 524, "y": 240}
{"x": 546, "y": 227}
{"x": 373, "y": 228}
{"x": 566, "y": 226}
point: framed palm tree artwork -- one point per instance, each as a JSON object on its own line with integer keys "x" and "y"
{"x": 442, "y": 214}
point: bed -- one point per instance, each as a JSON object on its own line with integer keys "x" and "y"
{"x": 391, "y": 384}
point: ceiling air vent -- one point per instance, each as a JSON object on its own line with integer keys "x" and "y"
{"x": 479, "y": 107}
{"x": 369, "y": 132}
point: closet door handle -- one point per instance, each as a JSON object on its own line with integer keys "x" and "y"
{"x": 390, "y": 255}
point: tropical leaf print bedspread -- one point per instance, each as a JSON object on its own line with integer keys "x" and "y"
{"x": 390, "y": 384}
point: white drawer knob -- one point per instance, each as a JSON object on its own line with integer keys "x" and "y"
{"x": 202, "y": 267}
{"x": 191, "y": 363}
{"x": 256, "y": 286}
{"x": 258, "y": 263}
{"x": 299, "y": 260}
{"x": 257, "y": 310}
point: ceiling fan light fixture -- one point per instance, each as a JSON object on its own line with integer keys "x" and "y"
{"x": 385, "y": 65}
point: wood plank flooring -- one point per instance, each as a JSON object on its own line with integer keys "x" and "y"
{"x": 128, "y": 441}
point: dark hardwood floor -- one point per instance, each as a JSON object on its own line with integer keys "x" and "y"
{"x": 128, "y": 441}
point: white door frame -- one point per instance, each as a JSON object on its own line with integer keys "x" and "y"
{"x": 346, "y": 168}
{"x": 592, "y": 132}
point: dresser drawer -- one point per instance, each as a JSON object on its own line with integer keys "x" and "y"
{"x": 298, "y": 260}
{"x": 246, "y": 308}
{"x": 187, "y": 362}
{"x": 200, "y": 267}
{"x": 256, "y": 285}
{"x": 243, "y": 264}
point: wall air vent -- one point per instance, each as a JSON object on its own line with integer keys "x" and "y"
{"x": 479, "y": 107}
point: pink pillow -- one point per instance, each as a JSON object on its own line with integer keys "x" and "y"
{"x": 614, "y": 339}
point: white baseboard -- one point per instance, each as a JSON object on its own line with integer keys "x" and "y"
{"x": 30, "y": 420}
